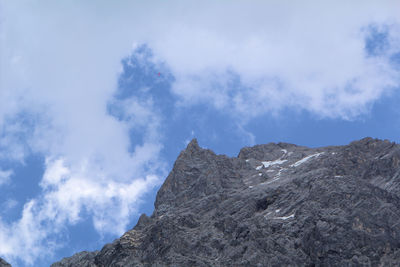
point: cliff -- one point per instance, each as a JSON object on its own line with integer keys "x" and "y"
{"x": 273, "y": 205}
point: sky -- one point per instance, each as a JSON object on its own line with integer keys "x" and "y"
{"x": 97, "y": 99}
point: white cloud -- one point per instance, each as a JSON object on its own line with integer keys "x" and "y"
{"x": 5, "y": 176}
{"x": 9, "y": 204}
{"x": 55, "y": 172}
{"x": 59, "y": 67}
{"x": 69, "y": 192}
{"x": 60, "y": 60}
{"x": 309, "y": 56}
{"x": 111, "y": 202}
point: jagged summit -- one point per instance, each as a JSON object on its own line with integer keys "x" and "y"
{"x": 273, "y": 205}
{"x": 193, "y": 145}
{"x": 195, "y": 173}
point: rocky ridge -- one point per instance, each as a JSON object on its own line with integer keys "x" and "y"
{"x": 273, "y": 205}
{"x": 3, "y": 263}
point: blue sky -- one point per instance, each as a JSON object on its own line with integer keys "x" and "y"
{"x": 97, "y": 100}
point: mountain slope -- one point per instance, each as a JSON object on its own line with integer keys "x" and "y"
{"x": 273, "y": 205}
{"x": 3, "y": 263}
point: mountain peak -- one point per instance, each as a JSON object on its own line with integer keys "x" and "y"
{"x": 273, "y": 205}
{"x": 193, "y": 145}
{"x": 190, "y": 176}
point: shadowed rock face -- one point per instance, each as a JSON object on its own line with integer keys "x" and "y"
{"x": 273, "y": 205}
{"x": 3, "y": 263}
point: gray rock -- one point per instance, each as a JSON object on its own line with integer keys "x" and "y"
{"x": 273, "y": 205}
{"x": 3, "y": 263}
{"x": 83, "y": 258}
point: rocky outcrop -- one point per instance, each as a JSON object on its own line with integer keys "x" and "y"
{"x": 3, "y": 263}
{"x": 83, "y": 258}
{"x": 273, "y": 205}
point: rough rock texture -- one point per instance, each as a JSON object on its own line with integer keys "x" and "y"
{"x": 3, "y": 263}
{"x": 273, "y": 205}
{"x": 83, "y": 258}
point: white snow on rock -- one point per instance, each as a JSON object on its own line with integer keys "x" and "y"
{"x": 259, "y": 167}
{"x": 270, "y": 163}
{"x": 266, "y": 216}
{"x": 305, "y": 159}
{"x": 273, "y": 180}
{"x": 276, "y": 177}
{"x": 285, "y": 217}
{"x": 284, "y": 151}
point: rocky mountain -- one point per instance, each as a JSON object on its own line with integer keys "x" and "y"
{"x": 273, "y": 205}
{"x": 3, "y": 263}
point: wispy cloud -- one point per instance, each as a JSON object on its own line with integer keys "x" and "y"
{"x": 5, "y": 176}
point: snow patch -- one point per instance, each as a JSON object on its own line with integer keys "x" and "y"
{"x": 285, "y": 217}
{"x": 259, "y": 174}
{"x": 275, "y": 162}
{"x": 276, "y": 178}
{"x": 259, "y": 167}
{"x": 305, "y": 159}
{"x": 266, "y": 216}
{"x": 273, "y": 180}
{"x": 247, "y": 160}
{"x": 284, "y": 151}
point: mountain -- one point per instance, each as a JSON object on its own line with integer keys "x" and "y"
{"x": 3, "y": 263}
{"x": 273, "y": 205}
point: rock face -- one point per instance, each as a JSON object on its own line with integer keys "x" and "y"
{"x": 3, "y": 263}
{"x": 273, "y": 205}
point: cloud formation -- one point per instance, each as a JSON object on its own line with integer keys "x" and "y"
{"x": 310, "y": 56}
{"x": 60, "y": 63}
{"x": 58, "y": 77}
{"x": 5, "y": 176}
